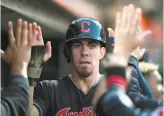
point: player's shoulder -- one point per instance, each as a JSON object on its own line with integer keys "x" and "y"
{"x": 64, "y": 80}
{"x": 58, "y": 82}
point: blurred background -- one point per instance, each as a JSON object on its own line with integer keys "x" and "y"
{"x": 54, "y": 16}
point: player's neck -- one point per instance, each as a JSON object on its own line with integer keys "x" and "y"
{"x": 85, "y": 84}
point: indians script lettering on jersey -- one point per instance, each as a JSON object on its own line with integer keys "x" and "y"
{"x": 87, "y": 111}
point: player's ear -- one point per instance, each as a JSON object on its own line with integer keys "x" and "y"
{"x": 102, "y": 52}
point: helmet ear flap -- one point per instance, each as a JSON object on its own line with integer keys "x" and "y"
{"x": 67, "y": 53}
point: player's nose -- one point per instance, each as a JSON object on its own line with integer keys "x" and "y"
{"x": 85, "y": 51}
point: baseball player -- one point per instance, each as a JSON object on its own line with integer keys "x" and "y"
{"x": 71, "y": 95}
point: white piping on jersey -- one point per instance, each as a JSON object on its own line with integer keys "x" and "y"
{"x": 70, "y": 75}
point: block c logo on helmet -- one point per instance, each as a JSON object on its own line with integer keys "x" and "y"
{"x": 83, "y": 26}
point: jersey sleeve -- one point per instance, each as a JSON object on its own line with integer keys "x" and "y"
{"x": 137, "y": 77}
{"x": 14, "y": 98}
{"x": 134, "y": 85}
{"x": 42, "y": 97}
{"x": 138, "y": 90}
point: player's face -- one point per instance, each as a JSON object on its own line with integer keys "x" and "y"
{"x": 86, "y": 54}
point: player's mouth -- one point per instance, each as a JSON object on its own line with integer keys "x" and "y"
{"x": 85, "y": 62}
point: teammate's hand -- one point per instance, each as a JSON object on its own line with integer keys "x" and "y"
{"x": 127, "y": 32}
{"x": 36, "y": 38}
{"x": 18, "y": 50}
{"x": 138, "y": 53}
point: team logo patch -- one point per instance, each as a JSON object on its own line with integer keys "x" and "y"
{"x": 87, "y": 111}
{"x": 85, "y": 26}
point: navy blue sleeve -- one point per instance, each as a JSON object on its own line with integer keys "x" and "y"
{"x": 139, "y": 90}
{"x": 134, "y": 85}
{"x": 137, "y": 75}
{"x": 14, "y": 98}
{"x": 142, "y": 101}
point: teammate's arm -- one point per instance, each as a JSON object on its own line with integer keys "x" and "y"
{"x": 127, "y": 32}
{"x": 33, "y": 111}
{"x": 14, "y": 99}
{"x": 36, "y": 38}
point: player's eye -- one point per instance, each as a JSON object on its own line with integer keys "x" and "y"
{"x": 76, "y": 45}
{"x": 92, "y": 45}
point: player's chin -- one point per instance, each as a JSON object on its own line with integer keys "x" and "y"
{"x": 84, "y": 73}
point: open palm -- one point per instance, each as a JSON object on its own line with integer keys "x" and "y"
{"x": 35, "y": 32}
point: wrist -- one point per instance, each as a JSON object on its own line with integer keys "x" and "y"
{"x": 112, "y": 60}
{"x": 133, "y": 61}
{"x": 19, "y": 69}
{"x": 121, "y": 51}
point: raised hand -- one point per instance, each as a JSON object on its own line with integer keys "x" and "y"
{"x": 137, "y": 52}
{"x": 36, "y": 39}
{"x": 127, "y": 35}
{"x": 19, "y": 50}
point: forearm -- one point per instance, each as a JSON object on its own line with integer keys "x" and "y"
{"x": 141, "y": 101}
{"x": 109, "y": 63}
{"x": 142, "y": 84}
{"x": 31, "y": 91}
{"x": 32, "y": 110}
{"x": 21, "y": 69}
{"x": 122, "y": 51}
{"x": 11, "y": 102}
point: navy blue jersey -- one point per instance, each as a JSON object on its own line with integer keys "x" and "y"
{"x": 63, "y": 98}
